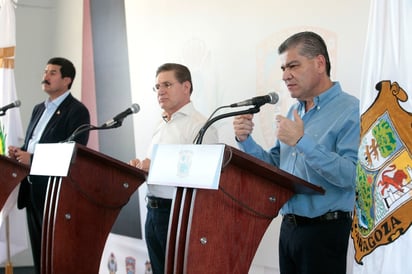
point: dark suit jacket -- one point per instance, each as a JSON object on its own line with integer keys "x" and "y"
{"x": 68, "y": 116}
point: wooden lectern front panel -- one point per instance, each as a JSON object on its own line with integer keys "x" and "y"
{"x": 11, "y": 174}
{"x": 234, "y": 220}
{"x": 219, "y": 231}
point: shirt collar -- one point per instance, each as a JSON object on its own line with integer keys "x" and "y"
{"x": 187, "y": 109}
{"x": 324, "y": 98}
{"x": 56, "y": 102}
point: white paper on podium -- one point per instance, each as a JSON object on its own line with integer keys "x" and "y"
{"x": 194, "y": 166}
{"x": 52, "y": 159}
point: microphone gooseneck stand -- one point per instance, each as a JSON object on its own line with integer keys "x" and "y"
{"x": 3, "y": 112}
{"x": 208, "y": 123}
{"x": 89, "y": 127}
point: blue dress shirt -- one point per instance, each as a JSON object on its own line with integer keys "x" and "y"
{"x": 49, "y": 110}
{"x": 326, "y": 155}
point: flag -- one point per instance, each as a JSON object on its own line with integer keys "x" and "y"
{"x": 11, "y": 133}
{"x": 381, "y": 230}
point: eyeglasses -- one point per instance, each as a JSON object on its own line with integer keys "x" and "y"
{"x": 166, "y": 85}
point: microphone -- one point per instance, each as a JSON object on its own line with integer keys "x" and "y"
{"x": 118, "y": 119}
{"x": 16, "y": 103}
{"x": 271, "y": 98}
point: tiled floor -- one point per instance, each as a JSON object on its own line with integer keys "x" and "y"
{"x": 19, "y": 270}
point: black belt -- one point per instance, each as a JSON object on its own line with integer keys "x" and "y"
{"x": 327, "y": 217}
{"x": 154, "y": 202}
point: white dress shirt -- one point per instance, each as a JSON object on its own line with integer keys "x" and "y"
{"x": 182, "y": 128}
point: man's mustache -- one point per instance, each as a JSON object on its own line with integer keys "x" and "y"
{"x": 45, "y": 82}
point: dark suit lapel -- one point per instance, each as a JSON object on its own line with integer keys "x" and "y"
{"x": 33, "y": 123}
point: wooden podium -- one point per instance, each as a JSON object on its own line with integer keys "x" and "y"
{"x": 11, "y": 174}
{"x": 81, "y": 209}
{"x": 219, "y": 231}
{"x": 210, "y": 231}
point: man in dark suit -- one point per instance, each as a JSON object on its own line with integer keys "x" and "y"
{"x": 52, "y": 121}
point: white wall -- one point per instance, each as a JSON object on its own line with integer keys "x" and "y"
{"x": 44, "y": 29}
{"x": 230, "y": 47}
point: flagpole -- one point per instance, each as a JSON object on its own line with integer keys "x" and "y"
{"x": 8, "y": 266}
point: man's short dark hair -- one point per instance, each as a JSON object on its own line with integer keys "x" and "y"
{"x": 182, "y": 73}
{"x": 67, "y": 68}
{"x": 310, "y": 45}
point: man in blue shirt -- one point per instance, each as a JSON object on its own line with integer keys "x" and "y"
{"x": 318, "y": 142}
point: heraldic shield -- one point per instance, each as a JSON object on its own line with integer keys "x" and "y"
{"x": 384, "y": 172}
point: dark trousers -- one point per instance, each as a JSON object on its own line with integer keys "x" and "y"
{"x": 156, "y": 229}
{"x": 314, "y": 248}
{"x": 34, "y": 211}
{"x": 35, "y": 230}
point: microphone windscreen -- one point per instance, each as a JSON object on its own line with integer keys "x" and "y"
{"x": 274, "y": 98}
{"x": 135, "y": 108}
